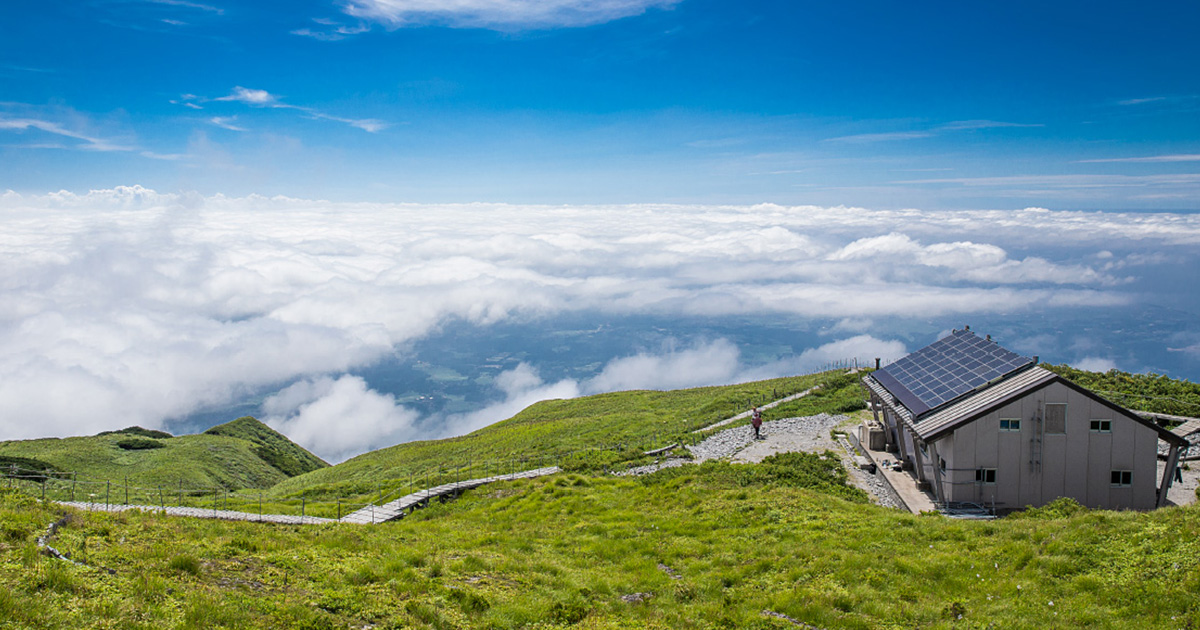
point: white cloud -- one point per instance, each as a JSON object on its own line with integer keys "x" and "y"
{"x": 337, "y": 419}
{"x": 863, "y": 349}
{"x": 1177, "y": 157}
{"x": 703, "y": 364}
{"x": 499, "y": 13}
{"x": 226, "y": 122}
{"x": 263, "y": 98}
{"x": 129, "y": 306}
{"x": 521, "y": 386}
{"x": 249, "y": 96}
{"x": 1095, "y": 364}
{"x": 89, "y": 142}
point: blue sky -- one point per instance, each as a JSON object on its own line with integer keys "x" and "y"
{"x": 1067, "y": 105}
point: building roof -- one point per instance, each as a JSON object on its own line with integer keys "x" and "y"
{"x": 981, "y": 400}
{"x": 947, "y": 369}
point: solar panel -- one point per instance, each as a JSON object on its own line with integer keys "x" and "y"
{"x": 947, "y": 369}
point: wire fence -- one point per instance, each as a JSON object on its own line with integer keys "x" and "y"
{"x": 219, "y": 501}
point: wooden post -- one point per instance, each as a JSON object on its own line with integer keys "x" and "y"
{"x": 126, "y": 489}
{"x": 260, "y": 505}
{"x": 339, "y": 504}
{"x": 181, "y": 492}
{"x": 107, "y": 491}
{"x": 161, "y": 504}
{"x": 74, "y": 479}
{"x": 1168, "y": 475}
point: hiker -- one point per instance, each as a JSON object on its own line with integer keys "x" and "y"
{"x": 756, "y": 422}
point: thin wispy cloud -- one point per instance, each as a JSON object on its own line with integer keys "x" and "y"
{"x": 864, "y": 138}
{"x": 86, "y": 142}
{"x": 226, "y": 122}
{"x": 958, "y": 125}
{"x": 1178, "y": 157}
{"x": 500, "y": 14}
{"x": 1142, "y": 101}
{"x": 968, "y": 125}
{"x": 263, "y": 98}
{"x": 333, "y": 30}
{"x": 188, "y": 5}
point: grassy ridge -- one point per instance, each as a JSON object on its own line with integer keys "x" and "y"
{"x": 270, "y": 445}
{"x": 707, "y": 547}
{"x": 229, "y": 459}
{"x": 545, "y": 432}
{"x": 1145, "y": 392}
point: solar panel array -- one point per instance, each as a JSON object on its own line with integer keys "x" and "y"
{"x": 947, "y": 369}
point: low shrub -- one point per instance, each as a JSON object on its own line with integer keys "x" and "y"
{"x": 139, "y": 443}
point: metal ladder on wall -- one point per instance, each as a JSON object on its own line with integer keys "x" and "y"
{"x": 1035, "y": 442}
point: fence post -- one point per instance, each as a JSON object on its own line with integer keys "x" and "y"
{"x": 301, "y": 509}
{"x": 181, "y": 492}
{"x": 107, "y": 491}
{"x": 161, "y": 503}
{"x": 339, "y": 502}
{"x": 74, "y": 479}
{"x": 126, "y": 489}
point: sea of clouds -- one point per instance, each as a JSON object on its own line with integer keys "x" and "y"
{"x": 128, "y": 306}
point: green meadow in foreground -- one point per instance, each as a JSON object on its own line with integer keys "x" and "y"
{"x": 709, "y": 546}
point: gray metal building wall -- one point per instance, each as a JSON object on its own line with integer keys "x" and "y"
{"x": 1076, "y": 464}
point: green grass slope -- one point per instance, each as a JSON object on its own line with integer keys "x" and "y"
{"x": 1144, "y": 392}
{"x": 270, "y": 445}
{"x": 229, "y": 458}
{"x": 624, "y": 423}
{"x": 715, "y": 546}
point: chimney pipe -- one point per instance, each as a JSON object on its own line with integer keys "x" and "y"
{"x": 876, "y": 363}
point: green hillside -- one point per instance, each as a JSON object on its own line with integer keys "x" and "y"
{"x": 271, "y": 446}
{"x": 716, "y": 546}
{"x": 241, "y": 454}
{"x": 623, "y": 424}
{"x": 1144, "y": 392}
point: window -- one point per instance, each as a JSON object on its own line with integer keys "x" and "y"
{"x": 1101, "y": 426}
{"x": 924, "y": 448}
{"x": 1122, "y": 478}
{"x": 1056, "y": 417}
{"x": 1010, "y": 424}
{"x": 942, "y": 464}
{"x": 985, "y": 475}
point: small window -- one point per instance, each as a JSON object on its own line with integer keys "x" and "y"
{"x": 942, "y": 464}
{"x": 1122, "y": 478}
{"x": 985, "y": 475}
{"x": 924, "y": 448}
{"x": 1101, "y": 426}
{"x": 1056, "y": 418}
{"x": 1010, "y": 424}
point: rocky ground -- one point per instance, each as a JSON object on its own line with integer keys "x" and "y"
{"x": 811, "y": 434}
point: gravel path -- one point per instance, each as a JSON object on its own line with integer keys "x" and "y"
{"x": 810, "y": 434}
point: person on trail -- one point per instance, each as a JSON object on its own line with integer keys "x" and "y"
{"x": 756, "y": 422}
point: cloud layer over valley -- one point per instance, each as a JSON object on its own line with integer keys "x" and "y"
{"x": 127, "y": 306}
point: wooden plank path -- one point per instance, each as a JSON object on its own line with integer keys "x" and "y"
{"x": 228, "y": 515}
{"x": 370, "y": 515}
{"x": 374, "y": 514}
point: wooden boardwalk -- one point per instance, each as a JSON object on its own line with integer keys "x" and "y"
{"x": 374, "y": 514}
{"x": 369, "y": 515}
{"x": 191, "y": 512}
